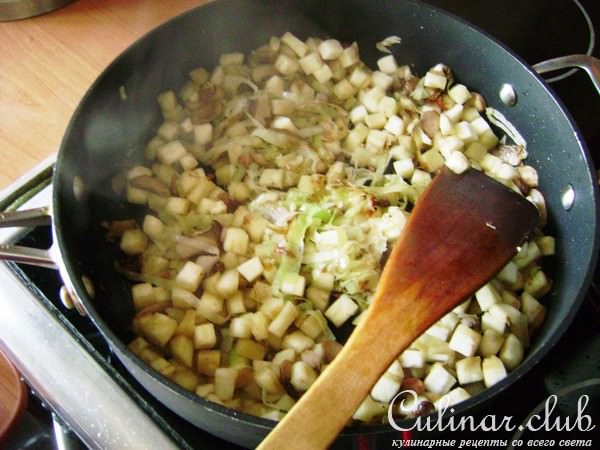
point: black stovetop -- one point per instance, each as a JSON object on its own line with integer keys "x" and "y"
{"x": 536, "y": 30}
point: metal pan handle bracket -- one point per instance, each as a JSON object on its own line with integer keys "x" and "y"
{"x": 588, "y": 63}
{"x": 28, "y": 218}
{"x": 26, "y": 255}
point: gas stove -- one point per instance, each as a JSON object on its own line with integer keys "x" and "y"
{"x": 81, "y": 395}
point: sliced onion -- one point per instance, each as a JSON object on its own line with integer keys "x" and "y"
{"x": 190, "y": 246}
{"x": 310, "y": 131}
{"x": 153, "y": 308}
{"x": 207, "y": 262}
{"x": 498, "y": 119}
{"x": 389, "y": 41}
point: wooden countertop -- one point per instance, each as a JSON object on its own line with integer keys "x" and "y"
{"x": 48, "y": 62}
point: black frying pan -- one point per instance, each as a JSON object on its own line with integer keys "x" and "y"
{"x": 107, "y": 132}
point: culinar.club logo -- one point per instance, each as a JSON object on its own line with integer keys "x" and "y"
{"x": 570, "y": 418}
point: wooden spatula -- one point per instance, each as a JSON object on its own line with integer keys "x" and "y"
{"x": 462, "y": 231}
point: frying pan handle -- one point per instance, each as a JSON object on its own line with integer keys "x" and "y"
{"x": 26, "y": 218}
{"x": 26, "y": 255}
{"x": 588, "y": 63}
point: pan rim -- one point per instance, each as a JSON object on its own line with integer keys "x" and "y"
{"x": 468, "y": 405}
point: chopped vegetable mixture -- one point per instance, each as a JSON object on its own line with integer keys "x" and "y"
{"x": 275, "y": 186}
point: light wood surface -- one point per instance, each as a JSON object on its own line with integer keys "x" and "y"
{"x": 48, "y": 62}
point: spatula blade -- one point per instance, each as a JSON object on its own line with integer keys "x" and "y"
{"x": 462, "y": 230}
